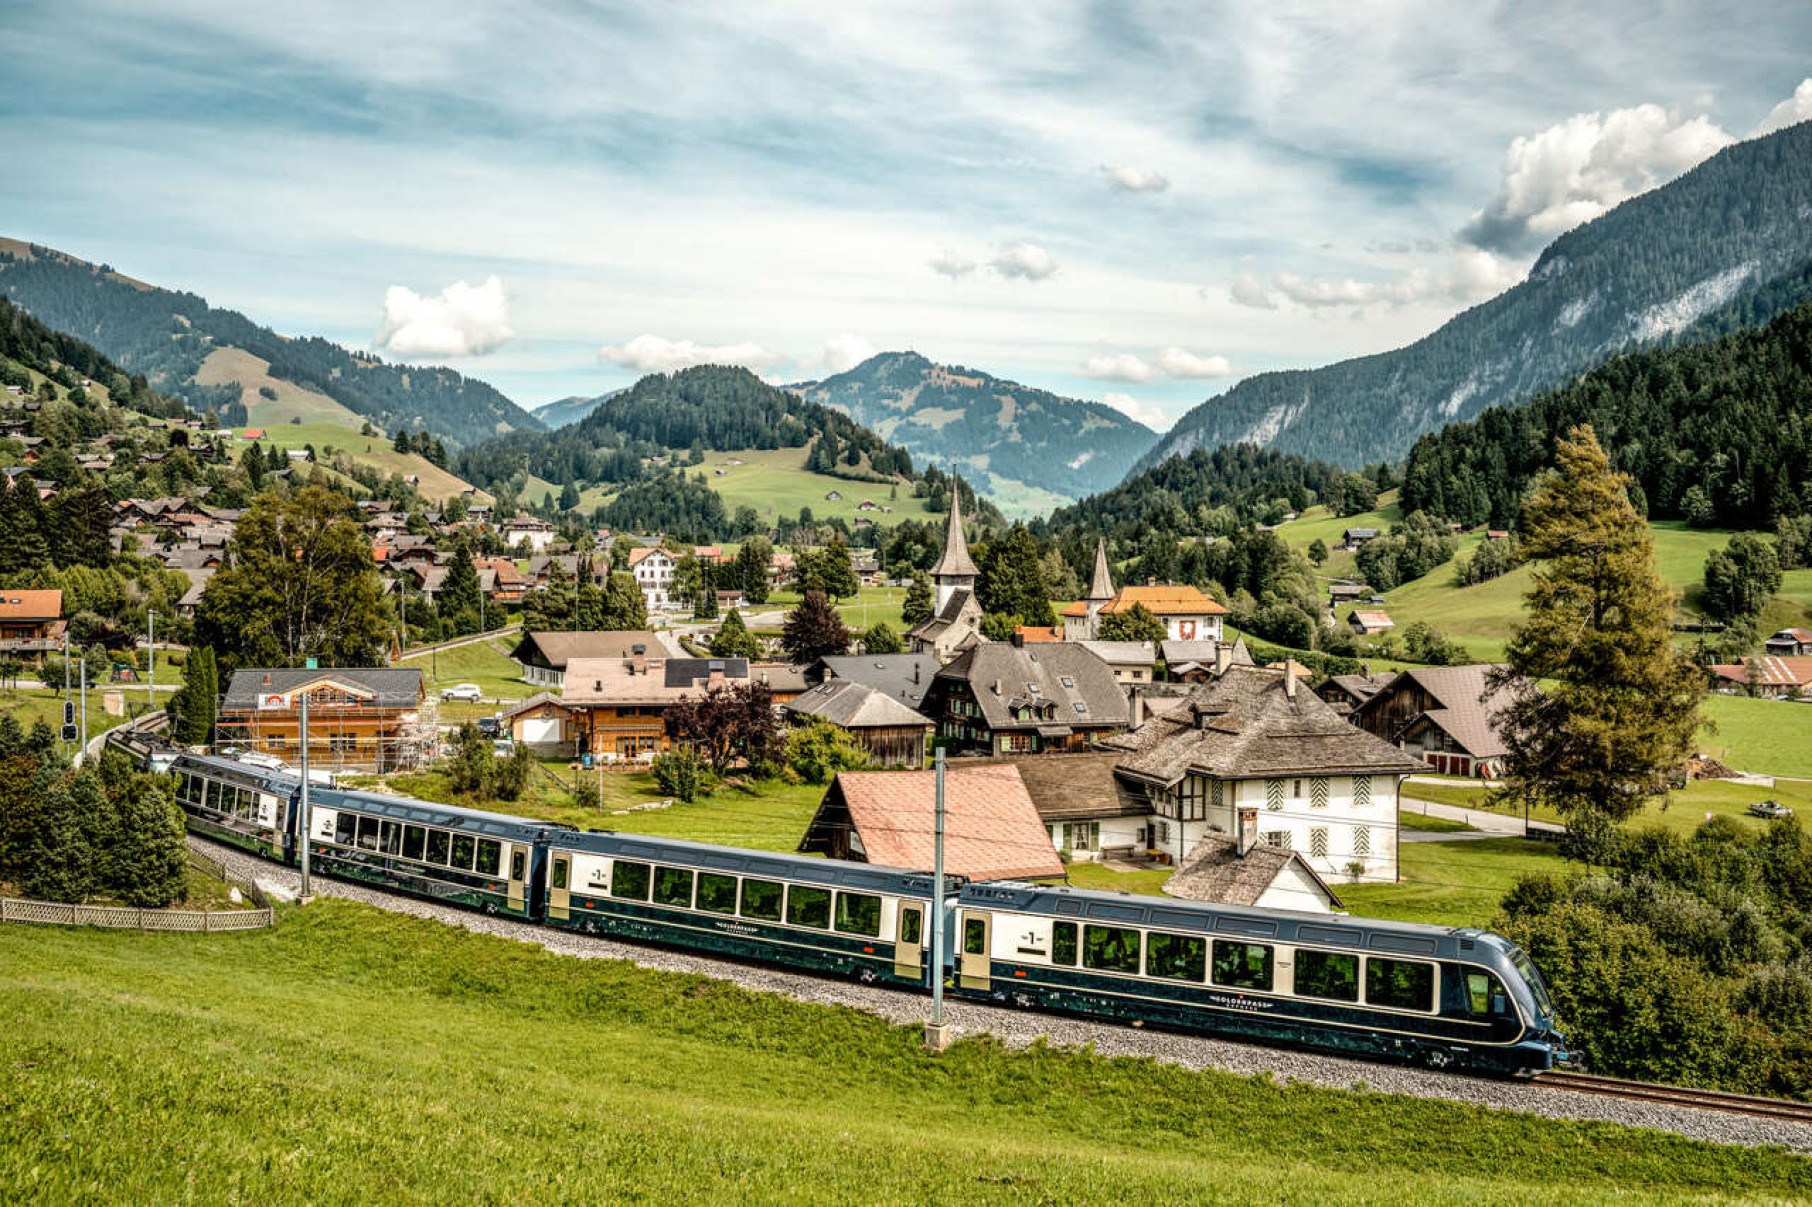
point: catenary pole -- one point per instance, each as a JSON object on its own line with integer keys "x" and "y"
{"x": 151, "y": 653}
{"x": 303, "y": 833}
{"x": 935, "y": 1035}
{"x": 82, "y": 741}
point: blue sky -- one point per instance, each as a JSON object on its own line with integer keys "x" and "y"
{"x": 1133, "y": 202}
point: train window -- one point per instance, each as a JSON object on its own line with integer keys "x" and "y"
{"x": 912, "y": 925}
{"x": 859, "y": 914}
{"x": 437, "y": 846}
{"x": 518, "y": 864}
{"x": 629, "y": 880}
{"x": 717, "y": 892}
{"x": 462, "y": 852}
{"x": 560, "y": 877}
{"x": 1333, "y": 975}
{"x": 808, "y": 906}
{"x": 761, "y": 900}
{"x": 415, "y": 839}
{"x": 1485, "y": 996}
{"x": 1176, "y": 957}
{"x": 490, "y": 856}
{"x": 368, "y": 832}
{"x": 673, "y": 886}
{"x": 975, "y": 936}
{"x": 392, "y": 838}
{"x": 1399, "y": 984}
{"x": 1063, "y": 944}
{"x": 1242, "y": 965}
{"x": 344, "y": 827}
{"x": 1110, "y": 948}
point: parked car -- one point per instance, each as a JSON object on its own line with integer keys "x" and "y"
{"x": 1772, "y": 809}
{"x": 503, "y": 748}
{"x": 490, "y": 727}
{"x": 463, "y": 691}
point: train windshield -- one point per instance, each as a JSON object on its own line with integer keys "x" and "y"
{"x": 1532, "y": 977}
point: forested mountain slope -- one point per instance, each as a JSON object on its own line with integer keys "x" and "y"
{"x": 1729, "y": 238}
{"x": 167, "y": 335}
{"x": 987, "y": 427}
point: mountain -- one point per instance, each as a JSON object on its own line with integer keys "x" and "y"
{"x": 1018, "y": 440}
{"x": 217, "y": 358}
{"x": 1731, "y": 236}
{"x": 31, "y": 354}
{"x": 564, "y": 412}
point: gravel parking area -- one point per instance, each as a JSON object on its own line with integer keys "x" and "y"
{"x": 1021, "y": 1029}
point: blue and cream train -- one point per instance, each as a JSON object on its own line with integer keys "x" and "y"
{"x": 1445, "y": 997}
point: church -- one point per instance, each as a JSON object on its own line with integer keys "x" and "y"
{"x": 955, "y": 621}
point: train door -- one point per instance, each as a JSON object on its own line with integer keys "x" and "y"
{"x": 975, "y": 964}
{"x": 559, "y": 892}
{"x": 519, "y": 857}
{"x": 908, "y": 951}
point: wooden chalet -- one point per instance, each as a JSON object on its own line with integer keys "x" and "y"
{"x": 892, "y": 734}
{"x": 359, "y": 718}
{"x": 999, "y": 698}
{"x": 31, "y": 623}
{"x": 1446, "y": 714}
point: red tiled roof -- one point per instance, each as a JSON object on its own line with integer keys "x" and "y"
{"x": 991, "y": 828}
{"x": 1163, "y": 600}
{"x": 1038, "y": 632}
{"x": 31, "y": 605}
{"x": 1770, "y": 671}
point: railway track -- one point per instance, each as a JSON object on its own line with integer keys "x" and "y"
{"x": 1676, "y": 1096}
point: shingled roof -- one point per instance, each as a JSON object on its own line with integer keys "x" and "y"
{"x": 1247, "y": 725}
{"x": 1467, "y": 709}
{"x": 855, "y": 706}
{"x": 905, "y": 677}
{"x": 1067, "y": 786}
{"x": 556, "y": 649}
{"x": 991, "y": 829}
{"x": 1216, "y": 871}
{"x": 1053, "y": 677}
{"x": 389, "y": 687}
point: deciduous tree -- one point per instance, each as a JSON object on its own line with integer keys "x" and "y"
{"x": 1137, "y": 623}
{"x": 813, "y": 629}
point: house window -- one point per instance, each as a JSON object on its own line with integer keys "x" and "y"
{"x": 1085, "y": 835}
{"x": 1362, "y": 841}
{"x": 1160, "y": 830}
{"x": 1295, "y": 789}
{"x": 1318, "y": 842}
{"x": 1194, "y": 798}
{"x": 1362, "y": 791}
{"x": 1318, "y": 792}
{"x": 1217, "y": 794}
{"x": 1277, "y": 838}
{"x": 1274, "y": 794}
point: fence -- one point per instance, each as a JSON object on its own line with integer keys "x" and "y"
{"x": 13, "y": 909}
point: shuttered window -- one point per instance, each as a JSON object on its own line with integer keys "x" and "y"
{"x": 1318, "y": 792}
{"x": 1273, "y": 794}
{"x": 1362, "y": 791}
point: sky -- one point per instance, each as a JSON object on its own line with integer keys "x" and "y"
{"x": 1139, "y": 203}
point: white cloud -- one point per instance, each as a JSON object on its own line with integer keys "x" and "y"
{"x": 953, "y": 264}
{"x": 1471, "y": 275}
{"x": 1139, "y": 412}
{"x": 1790, "y": 112}
{"x": 1182, "y": 363}
{"x": 461, "y": 320}
{"x": 1122, "y": 366}
{"x": 1576, "y": 170}
{"x": 1025, "y": 261}
{"x": 1136, "y": 180}
{"x": 846, "y": 351}
{"x": 1250, "y": 290}
{"x": 657, "y": 354}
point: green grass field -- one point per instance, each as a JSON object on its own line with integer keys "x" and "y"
{"x": 350, "y": 1055}
{"x": 1451, "y": 883}
{"x": 1773, "y": 737}
{"x": 33, "y": 704}
{"x": 1683, "y": 811}
{"x": 374, "y": 451}
{"x": 486, "y": 663}
{"x": 776, "y": 484}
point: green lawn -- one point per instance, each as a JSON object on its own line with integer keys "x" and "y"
{"x": 1430, "y": 824}
{"x": 32, "y": 704}
{"x": 351, "y": 1055}
{"x": 1682, "y": 811}
{"x": 486, "y": 663}
{"x": 1319, "y": 523}
{"x": 1773, "y": 737}
{"x": 776, "y": 484}
{"x": 1451, "y": 883}
{"x": 865, "y": 609}
{"x": 374, "y": 451}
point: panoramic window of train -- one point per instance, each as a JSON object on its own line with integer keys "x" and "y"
{"x": 391, "y": 838}
{"x": 562, "y": 867}
{"x": 1063, "y": 944}
{"x": 859, "y": 914}
{"x": 1242, "y": 965}
{"x": 1176, "y": 957}
{"x": 439, "y": 841}
{"x": 368, "y": 833}
{"x": 490, "y": 856}
{"x": 345, "y": 827}
{"x": 716, "y": 893}
{"x": 629, "y": 880}
{"x": 1333, "y": 975}
{"x": 808, "y": 906}
{"x": 462, "y": 852}
{"x": 761, "y": 900}
{"x": 415, "y": 841}
{"x": 1110, "y": 949}
{"x": 673, "y": 886}
{"x": 1399, "y": 984}
{"x": 1485, "y": 996}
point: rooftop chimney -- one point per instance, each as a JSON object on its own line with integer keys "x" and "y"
{"x": 1223, "y": 658}
{"x": 997, "y": 687}
{"x": 1247, "y": 829}
{"x": 915, "y": 672}
{"x": 638, "y": 659}
{"x": 1289, "y": 679}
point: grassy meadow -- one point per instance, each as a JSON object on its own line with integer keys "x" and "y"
{"x": 1682, "y": 811}
{"x": 349, "y": 1055}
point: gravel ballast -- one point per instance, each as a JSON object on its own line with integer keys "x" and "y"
{"x": 1022, "y": 1028}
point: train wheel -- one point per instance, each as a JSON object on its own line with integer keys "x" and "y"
{"x": 1437, "y": 1058}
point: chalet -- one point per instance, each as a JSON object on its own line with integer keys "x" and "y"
{"x": 1346, "y": 593}
{"x": 1450, "y": 715}
{"x": 541, "y": 569}
{"x": 191, "y": 599}
{"x": 619, "y": 705}
{"x": 892, "y": 734}
{"x": 902, "y": 677}
{"x": 711, "y": 555}
{"x": 544, "y": 656}
{"x": 538, "y": 533}
{"x": 1200, "y": 661}
{"x": 1257, "y": 758}
{"x": 1132, "y": 661}
{"x": 1187, "y": 613}
{"x": 1790, "y": 643}
{"x": 991, "y": 829}
{"x": 1352, "y": 538}
{"x": 31, "y": 623}
{"x": 1769, "y": 676}
{"x": 254, "y": 433}
{"x": 955, "y": 621}
{"x": 499, "y": 579}
{"x": 1347, "y": 692}
{"x": 359, "y": 719}
{"x": 997, "y": 698}
{"x": 1370, "y": 622}
{"x": 544, "y": 724}
{"x": 653, "y": 569}
{"x": 833, "y": 496}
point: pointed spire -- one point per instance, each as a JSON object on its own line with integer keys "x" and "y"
{"x": 1103, "y": 586}
{"x": 956, "y": 562}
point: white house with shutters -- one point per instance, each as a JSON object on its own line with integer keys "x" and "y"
{"x": 653, "y": 570}
{"x": 1257, "y": 758}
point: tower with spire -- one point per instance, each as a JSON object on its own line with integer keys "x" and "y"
{"x": 1086, "y": 627}
{"x": 955, "y": 570}
{"x": 955, "y": 622}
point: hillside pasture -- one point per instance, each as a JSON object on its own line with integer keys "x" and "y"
{"x": 777, "y": 485}
{"x": 375, "y": 452}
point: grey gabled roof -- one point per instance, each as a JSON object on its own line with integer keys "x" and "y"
{"x": 391, "y": 687}
{"x": 1034, "y": 675}
{"x": 557, "y": 648}
{"x": 1216, "y": 871}
{"x": 855, "y": 706}
{"x": 903, "y": 677}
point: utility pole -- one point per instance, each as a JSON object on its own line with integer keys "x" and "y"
{"x": 307, "y": 893}
{"x": 82, "y": 742}
{"x": 151, "y": 643}
{"x": 937, "y": 1031}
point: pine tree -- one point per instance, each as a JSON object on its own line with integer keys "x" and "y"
{"x": 882, "y": 639}
{"x": 193, "y": 706}
{"x": 813, "y": 629}
{"x": 733, "y": 639}
{"x": 1620, "y": 705}
{"x": 1012, "y": 579}
{"x": 457, "y": 600}
{"x": 23, "y": 545}
{"x": 752, "y": 562}
{"x": 59, "y": 866}
{"x": 705, "y": 599}
{"x": 623, "y": 605}
{"x": 916, "y": 610}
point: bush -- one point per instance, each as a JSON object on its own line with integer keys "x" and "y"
{"x": 818, "y": 751}
{"x": 684, "y": 776}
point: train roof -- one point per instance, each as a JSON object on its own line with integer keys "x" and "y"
{"x": 429, "y": 813}
{"x": 1324, "y": 930}
{"x": 752, "y": 863}
{"x": 268, "y": 778}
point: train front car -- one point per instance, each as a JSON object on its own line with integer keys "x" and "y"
{"x": 464, "y": 857}
{"x": 844, "y": 919}
{"x": 1447, "y": 998}
{"x": 241, "y": 804}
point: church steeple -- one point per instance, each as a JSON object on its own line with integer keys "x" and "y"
{"x": 955, "y": 570}
{"x": 1102, "y": 588}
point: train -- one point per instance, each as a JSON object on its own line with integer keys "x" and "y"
{"x": 1444, "y": 997}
